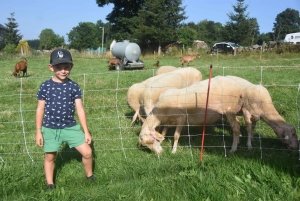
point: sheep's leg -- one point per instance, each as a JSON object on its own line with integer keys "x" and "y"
{"x": 164, "y": 131}
{"x": 134, "y": 117}
{"x": 176, "y": 138}
{"x": 250, "y": 127}
{"x": 231, "y": 117}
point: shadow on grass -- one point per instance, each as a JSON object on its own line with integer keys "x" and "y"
{"x": 218, "y": 141}
{"x": 67, "y": 154}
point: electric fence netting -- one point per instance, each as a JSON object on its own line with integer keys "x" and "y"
{"x": 109, "y": 116}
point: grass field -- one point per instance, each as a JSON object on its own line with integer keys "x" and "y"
{"x": 125, "y": 172}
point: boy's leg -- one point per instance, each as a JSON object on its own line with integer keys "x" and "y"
{"x": 49, "y": 166}
{"x": 87, "y": 158}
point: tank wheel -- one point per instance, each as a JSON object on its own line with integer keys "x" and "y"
{"x": 119, "y": 66}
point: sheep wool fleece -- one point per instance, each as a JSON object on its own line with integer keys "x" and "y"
{"x": 60, "y": 103}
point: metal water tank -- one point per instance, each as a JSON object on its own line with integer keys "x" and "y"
{"x": 127, "y": 50}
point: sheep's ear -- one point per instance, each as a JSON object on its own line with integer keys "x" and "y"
{"x": 159, "y": 137}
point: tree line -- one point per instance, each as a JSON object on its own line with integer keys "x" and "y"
{"x": 153, "y": 24}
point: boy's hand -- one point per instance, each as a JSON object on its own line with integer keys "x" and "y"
{"x": 88, "y": 137}
{"x": 39, "y": 140}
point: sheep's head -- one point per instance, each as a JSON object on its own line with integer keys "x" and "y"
{"x": 151, "y": 139}
{"x": 289, "y": 137}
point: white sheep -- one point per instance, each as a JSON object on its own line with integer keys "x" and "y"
{"x": 153, "y": 90}
{"x": 179, "y": 78}
{"x": 165, "y": 69}
{"x": 179, "y": 106}
{"x": 257, "y": 104}
{"x": 134, "y": 93}
{"x": 136, "y": 97}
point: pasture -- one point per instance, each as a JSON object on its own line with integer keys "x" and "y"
{"x": 125, "y": 172}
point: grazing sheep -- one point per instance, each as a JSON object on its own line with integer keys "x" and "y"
{"x": 156, "y": 64}
{"x": 257, "y": 104}
{"x": 190, "y": 74}
{"x": 152, "y": 91}
{"x": 135, "y": 94}
{"x": 165, "y": 69}
{"x": 188, "y": 59}
{"x": 179, "y": 106}
{"x": 20, "y": 66}
{"x": 133, "y": 99}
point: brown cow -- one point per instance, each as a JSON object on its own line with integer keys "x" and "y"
{"x": 20, "y": 66}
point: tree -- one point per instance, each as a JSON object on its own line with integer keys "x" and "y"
{"x": 50, "y": 40}
{"x": 121, "y": 17}
{"x": 34, "y": 44}
{"x": 85, "y": 35}
{"x": 186, "y": 35}
{"x": 23, "y": 47}
{"x": 158, "y": 20}
{"x": 286, "y": 22}
{"x": 241, "y": 29}
{"x": 208, "y": 31}
{"x": 10, "y": 33}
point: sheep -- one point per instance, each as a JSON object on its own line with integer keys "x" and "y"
{"x": 133, "y": 99}
{"x": 252, "y": 112}
{"x": 188, "y": 59}
{"x": 152, "y": 91}
{"x": 20, "y": 66}
{"x": 165, "y": 69}
{"x": 135, "y": 96}
{"x": 134, "y": 93}
{"x": 156, "y": 64}
{"x": 179, "y": 106}
{"x": 257, "y": 104}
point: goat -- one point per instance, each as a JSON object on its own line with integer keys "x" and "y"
{"x": 112, "y": 62}
{"x": 20, "y": 66}
{"x": 156, "y": 64}
{"x": 188, "y": 59}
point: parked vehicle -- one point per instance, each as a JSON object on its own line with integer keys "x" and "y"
{"x": 224, "y": 47}
{"x": 293, "y": 38}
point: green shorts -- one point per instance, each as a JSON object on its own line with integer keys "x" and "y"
{"x": 53, "y": 138}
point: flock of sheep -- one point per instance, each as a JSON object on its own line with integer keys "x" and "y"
{"x": 176, "y": 97}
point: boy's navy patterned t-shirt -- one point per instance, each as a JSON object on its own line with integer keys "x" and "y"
{"x": 59, "y": 103}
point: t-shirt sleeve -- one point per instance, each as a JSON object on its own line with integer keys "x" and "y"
{"x": 41, "y": 94}
{"x": 77, "y": 92}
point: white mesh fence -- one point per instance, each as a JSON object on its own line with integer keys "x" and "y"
{"x": 109, "y": 116}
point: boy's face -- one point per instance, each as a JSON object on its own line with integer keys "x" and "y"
{"x": 61, "y": 71}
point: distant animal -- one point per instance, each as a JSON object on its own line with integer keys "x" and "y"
{"x": 188, "y": 59}
{"x": 112, "y": 62}
{"x": 20, "y": 66}
{"x": 156, "y": 64}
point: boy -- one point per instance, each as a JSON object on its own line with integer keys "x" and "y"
{"x": 55, "y": 123}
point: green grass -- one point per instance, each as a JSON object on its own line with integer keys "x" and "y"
{"x": 124, "y": 172}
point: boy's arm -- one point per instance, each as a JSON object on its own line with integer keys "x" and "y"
{"x": 82, "y": 119}
{"x": 39, "y": 140}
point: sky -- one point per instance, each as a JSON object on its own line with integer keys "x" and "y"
{"x": 61, "y": 16}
